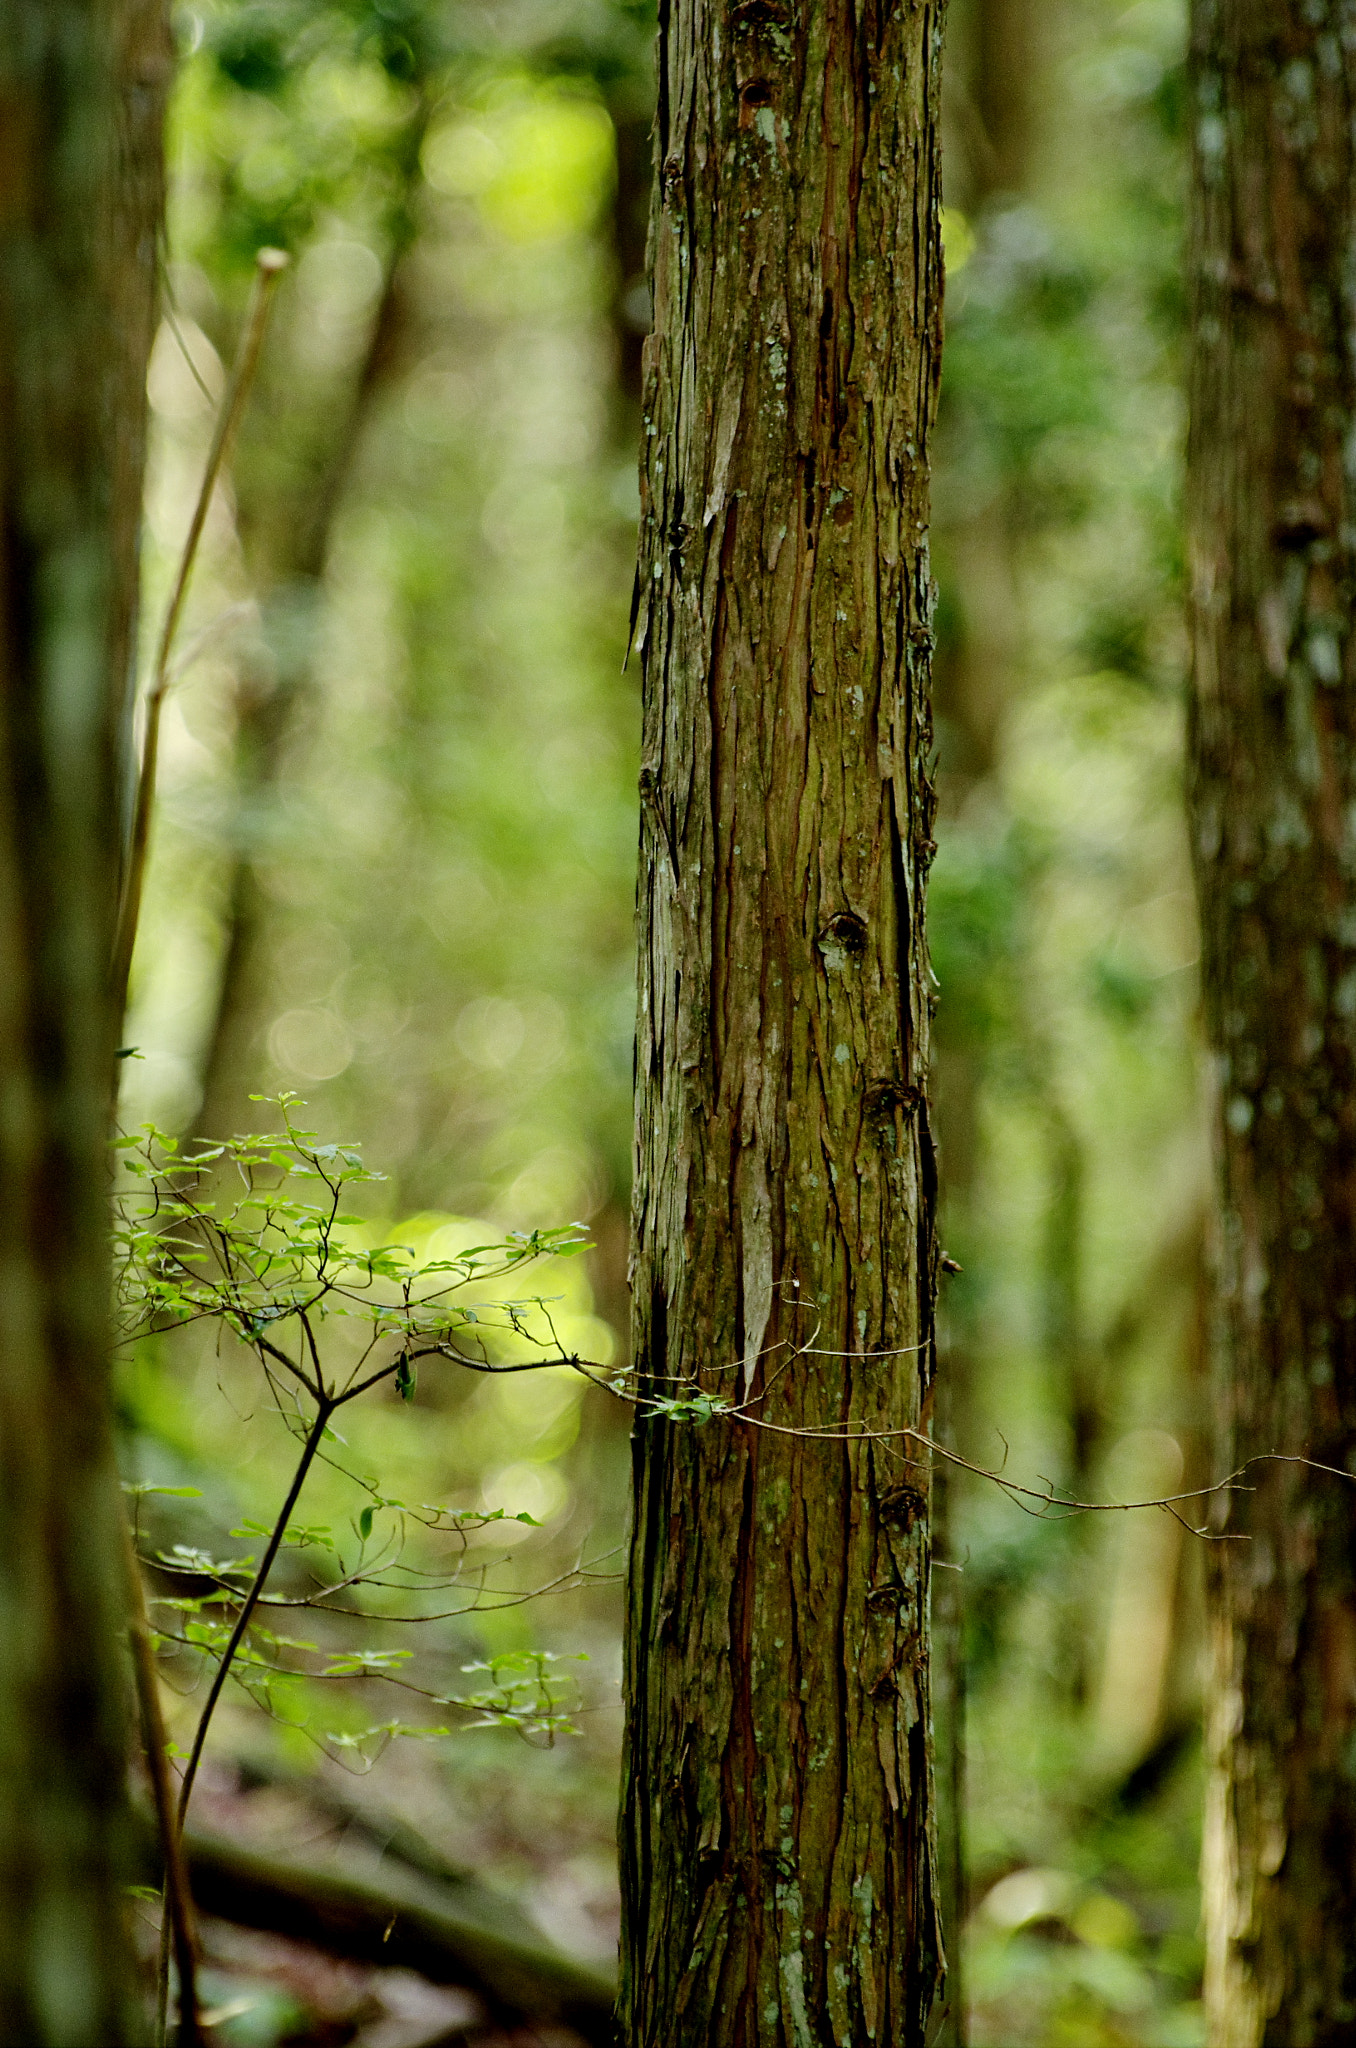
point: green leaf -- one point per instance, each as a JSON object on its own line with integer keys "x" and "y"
{"x": 405, "y": 1379}
{"x": 365, "y": 1523}
{"x": 140, "y": 1488}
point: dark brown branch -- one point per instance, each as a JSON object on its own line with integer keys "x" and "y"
{"x": 251, "y": 1601}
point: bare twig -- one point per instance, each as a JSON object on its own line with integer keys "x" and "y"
{"x": 1044, "y": 1497}
{"x": 270, "y": 263}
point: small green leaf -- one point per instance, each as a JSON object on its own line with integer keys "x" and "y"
{"x": 365, "y": 1523}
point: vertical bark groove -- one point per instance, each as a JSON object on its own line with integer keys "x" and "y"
{"x": 776, "y": 1834}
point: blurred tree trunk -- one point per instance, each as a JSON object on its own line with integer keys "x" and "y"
{"x": 777, "y": 1860}
{"x": 82, "y": 90}
{"x": 1010, "y": 69}
{"x": 996, "y": 115}
{"x": 1272, "y": 569}
{"x": 992, "y": 99}
{"x": 1005, "y": 91}
{"x": 274, "y": 700}
{"x": 272, "y": 704}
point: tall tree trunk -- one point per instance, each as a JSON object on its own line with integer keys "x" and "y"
{"x": 1272, "y": 555}
{"x": 82, "y": 89}
{"x": 777, "y": 1863}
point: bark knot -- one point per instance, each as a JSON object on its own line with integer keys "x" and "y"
{"x": 902, "y": 1507}
{"x": 1300, "y": 524}
{"x": 846, "y": 932}
{"x": 757, "y": 17}
{"x": 884, "y": 1100}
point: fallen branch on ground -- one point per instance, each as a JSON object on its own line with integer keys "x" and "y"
{"x": 396, "y": 1840}
{"x": 401, "y": 1919}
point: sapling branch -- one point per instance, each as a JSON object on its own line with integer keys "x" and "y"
{"x": 324, "y": 1410}
{"x": 254, "y": 1269}
{"x": 269, "y": 266}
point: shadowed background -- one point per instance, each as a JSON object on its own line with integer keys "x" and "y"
{"x": 393, "y": 871}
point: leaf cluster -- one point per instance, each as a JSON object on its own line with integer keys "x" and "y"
{"x": 256, "y": 1237}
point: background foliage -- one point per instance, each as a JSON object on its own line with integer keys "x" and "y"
{"x": 394, "y": 857}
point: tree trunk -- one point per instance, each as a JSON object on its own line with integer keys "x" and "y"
{"x": 777, "y": 1862}
{"x": 992, "y": 112}
{"x": 272, "y": 707}
{"x": 1271, "y": 541}
{"x": 1006, "y": 92}
{"x": 82, "y": 89}
{"x": 278, "y": 700}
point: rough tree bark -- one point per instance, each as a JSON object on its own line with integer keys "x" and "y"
{"x": 776, "y": 1833}
{"x": 82, "y": 89}
{"x": 1272, "y": 574}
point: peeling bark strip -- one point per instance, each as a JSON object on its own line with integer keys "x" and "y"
{"x": 82, "y": 94}
{"x": 776, "y": 1857}
{"x": 1272, "y": 579}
